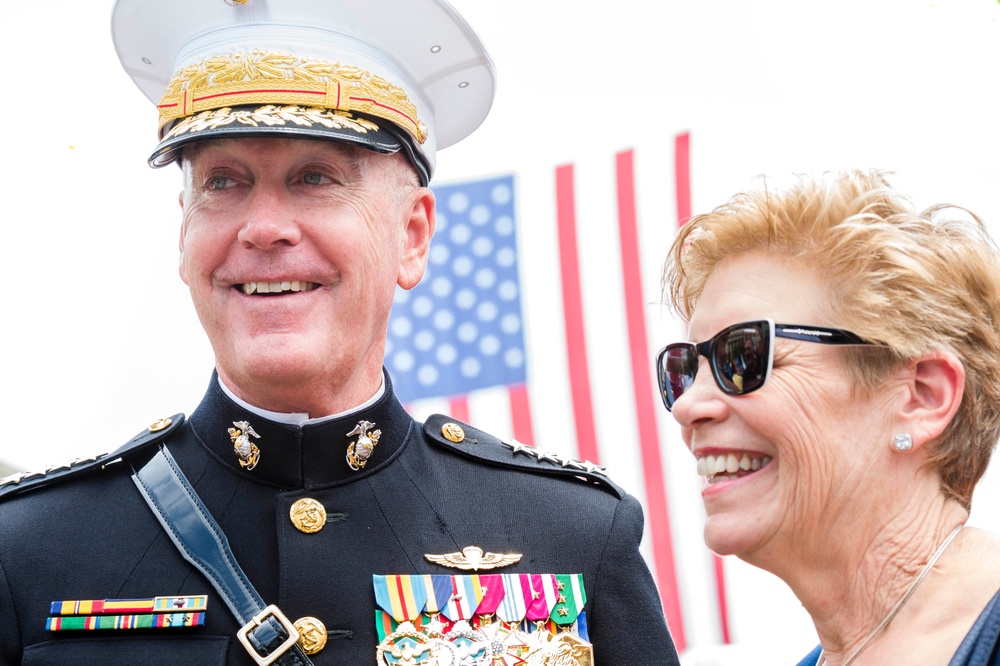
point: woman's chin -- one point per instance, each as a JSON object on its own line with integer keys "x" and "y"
{"x": 728, "y": 535}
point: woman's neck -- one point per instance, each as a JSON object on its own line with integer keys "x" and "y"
{"x": 850, "y": 579}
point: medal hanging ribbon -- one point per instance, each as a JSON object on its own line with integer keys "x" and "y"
{"x": 514, "y": 605}
{"x": 438, "y": 588}
{"x": 571, "y": 599}
{"x": 466, "y": 593}
{"x": 403, "y": 597}
{"x": 493, "y": 591}
{"x": 385, "y": 625}
{"x": 542, "y": 588}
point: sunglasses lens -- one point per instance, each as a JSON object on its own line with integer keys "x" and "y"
{"x": 739, "y": 357}
{"x": 676, "y": 370}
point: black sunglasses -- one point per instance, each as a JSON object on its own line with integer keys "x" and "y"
{"x": 740, "y": 356}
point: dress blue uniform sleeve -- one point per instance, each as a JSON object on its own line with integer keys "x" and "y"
{"x": 10, "y": 642}
{"x": 626, "y": 621}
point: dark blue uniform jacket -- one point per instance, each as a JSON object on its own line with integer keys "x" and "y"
{"x": 86, "y": 533}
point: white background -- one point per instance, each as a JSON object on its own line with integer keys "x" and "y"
{"x": 98, "y": 335}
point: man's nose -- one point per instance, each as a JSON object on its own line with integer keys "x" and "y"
{"x": 270, "y": 220}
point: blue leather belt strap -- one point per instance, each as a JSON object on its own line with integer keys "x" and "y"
{"x": 266, "y": 634}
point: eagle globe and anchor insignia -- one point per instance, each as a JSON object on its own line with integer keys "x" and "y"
{"x": 360, "y": 450}
{"x": 247, "y": 451}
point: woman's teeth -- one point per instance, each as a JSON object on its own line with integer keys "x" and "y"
{"x": 725, "y": 466}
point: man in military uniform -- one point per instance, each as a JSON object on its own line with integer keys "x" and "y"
{"x": 299, "y": 515}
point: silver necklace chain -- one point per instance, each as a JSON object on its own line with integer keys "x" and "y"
{"x": 902, "y": 601}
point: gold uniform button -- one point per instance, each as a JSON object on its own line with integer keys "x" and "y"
{"x": 453, "y": 432}
{"x": 312, "y": 634}
{"x": 159, "y": 424}
{"x": 308, "y": 516}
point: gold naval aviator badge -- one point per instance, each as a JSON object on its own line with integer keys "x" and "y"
{"x": 472, "y": 558}
{"x": 360, "y": 451}
{"x": 247, "y": 451}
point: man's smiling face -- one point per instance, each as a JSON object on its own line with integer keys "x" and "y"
{"x": 292, "y": 250}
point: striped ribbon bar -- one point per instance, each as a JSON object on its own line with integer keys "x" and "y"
{"x": 133, "y": 621}
{"x": 403, "y": 596}
{"x": 197, "y": 602}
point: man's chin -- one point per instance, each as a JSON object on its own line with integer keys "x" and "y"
{"x": 272, "y": 363}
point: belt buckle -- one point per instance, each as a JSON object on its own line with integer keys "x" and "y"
{"x": 256, "y": 621}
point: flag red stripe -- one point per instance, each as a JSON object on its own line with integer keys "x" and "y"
{"x": 520, "y": 414}
{"x": 458, "y": 408}
{"x": 682, "y": 177}
{"x": 576, "y": 347}
{"x": 720, "y": 594}
{"x": 645, "y": 408}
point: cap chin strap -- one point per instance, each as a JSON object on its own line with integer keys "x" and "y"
{"x": 266, "y": 633}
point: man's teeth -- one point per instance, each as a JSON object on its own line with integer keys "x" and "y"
{"x": 277, "y": 287}
{"x": 729, "y": 465}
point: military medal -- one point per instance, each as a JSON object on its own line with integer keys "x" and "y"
{"x": 406, "y": 646}
{"x": 540, "y": 620}
{"x": 360, "y": 450}
{"x": 247, "y": 451}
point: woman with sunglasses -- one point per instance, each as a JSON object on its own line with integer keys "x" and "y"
{"x": 842, "y": 400}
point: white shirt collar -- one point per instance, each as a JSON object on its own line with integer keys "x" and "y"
{"x": 299, "y": 418}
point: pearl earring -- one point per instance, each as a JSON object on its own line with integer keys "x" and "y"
{"x": 904, "y": 442}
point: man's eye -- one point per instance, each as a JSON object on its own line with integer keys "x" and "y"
{"x": 219, "y": 183}
{"x": 313, "y": 178}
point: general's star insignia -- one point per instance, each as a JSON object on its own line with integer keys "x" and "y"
{"x": 518, "y": 447}
{"x": 472, "y": 558}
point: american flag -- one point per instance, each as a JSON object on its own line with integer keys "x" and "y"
{"x": 461, "y": 333}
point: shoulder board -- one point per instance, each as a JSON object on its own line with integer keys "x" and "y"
{"x": 471, "y": 442}
{"x": 24, "y": 481}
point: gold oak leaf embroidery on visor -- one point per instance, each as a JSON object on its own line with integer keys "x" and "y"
{"x": 272, "y": 115}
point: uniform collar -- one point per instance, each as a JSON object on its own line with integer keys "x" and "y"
{"x": 297, "y": 418}
{"x": 313, "y": 453}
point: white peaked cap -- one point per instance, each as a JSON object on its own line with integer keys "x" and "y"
{"x": 387, "y": 75}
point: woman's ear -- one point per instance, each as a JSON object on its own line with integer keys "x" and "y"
{"x": 935, "y": 384}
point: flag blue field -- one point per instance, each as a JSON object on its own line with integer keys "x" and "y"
{"x": 461, "y": 329}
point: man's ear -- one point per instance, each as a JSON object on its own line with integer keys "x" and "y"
{"x": 935, "y": 384}
{"x": 180, "y": 241}
{"x": 419, "y": 228}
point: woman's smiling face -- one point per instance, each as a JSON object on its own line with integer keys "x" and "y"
{"x": 805, "y": 446}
